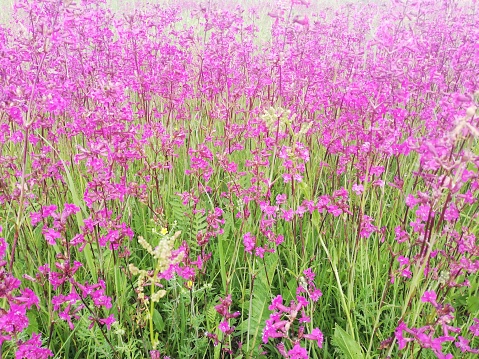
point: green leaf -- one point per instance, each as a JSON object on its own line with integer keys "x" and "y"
{"x": 257, "y": 313}
{"x": 271, "y": 261}
{"x": 32, "y": 323}
{"x": 346, "y": 345}
{"x": 211, "y": 319}
{"x": 473, "y": 304}
{"x": 158, "y": 321}
{"x": 289, "y": 294}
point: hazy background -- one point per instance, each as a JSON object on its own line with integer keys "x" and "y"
{"x": 260, "y": 5}
{"x": 263, "y": 6}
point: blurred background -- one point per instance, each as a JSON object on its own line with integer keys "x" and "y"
{"x": 262, "y": 6}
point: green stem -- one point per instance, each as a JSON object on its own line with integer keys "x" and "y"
{"x": 412, "y": 289}
{"x": 152, "y": 308}
{"x": 338, "y": 281}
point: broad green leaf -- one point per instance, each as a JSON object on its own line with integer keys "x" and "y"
{"x": 473, "y": 304}
{"x": 32, "y": 323}
{"x": 158, "y": 321}
{"x": 346, "y": 345}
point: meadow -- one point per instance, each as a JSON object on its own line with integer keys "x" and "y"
{"x": 187, "y": 180}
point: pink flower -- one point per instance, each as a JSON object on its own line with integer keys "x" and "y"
{"x": 401, "y": 235}
{"x": 249, "y": 242}
{"x": 403, "y": 260}
{"x": 304, "y": 318}
{"x": 334, "y": 210}
{"x": 406, "y": 272}
{"x": 475, "y": 327}
{"x": 367, "y": 228}
{"x": 282, "y": 349}
{"x": 3, "y": 247}
{"x": 277, "y": 304}
{"x": 28, "y": 298}
{"x": 376, "y": 170}
{"x": 51, "y": 235}
{"x": 223, "y": 308}
{"x": 15, "y": 320}
{"x": 108, "y": 321}
{"x": 225, "y": 327}
{"x": 48, "y": 211}
{"x": 32, "y": 349}
{"x": 358, "y": 189}
{"x": 341, "y": 193}
{"x": 398, "y": 333}
{"x": 287, "y": 215}
{"x": 302, "y": 301}
{"x": 463, "y": 344}
{"x": 301, "y": 21}
{"x": 309, "y": 274}
{"x": 70, "y": 209}
{"x": 279, "y": 239}
{"x": 411, "y": 201}
{"x": 315, "y": 295}
{"x": 300, "y": 211}
{"x": 423, "y": 212}
{"x": 231, "y": 167}
{"x": 267, "y": 209}
{"x": 259, "y": 252}
{"x": 280, "y": 199}
{"x": 451, "y": 213}
{"x": 36, "y": 218}
{"x": 317, "y": 335}
{"x": 270, "y": 330}
{"x": 298, "y": 352}
{"x": 430, "y": 297}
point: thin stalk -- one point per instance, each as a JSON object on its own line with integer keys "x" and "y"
{"x": 338, "y": 281}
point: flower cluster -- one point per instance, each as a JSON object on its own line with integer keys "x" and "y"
{"x": 282, "y": 324}
{"x": 13, "y": 317}
{"x": 438, "y": 332}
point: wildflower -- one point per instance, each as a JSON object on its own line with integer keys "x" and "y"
{"x": 277, "y": 304}
{"x": 31, "y": 349}
{"x": 260, "y": 251}
{"x": 398, "y": 333}
{"x": 298, "y": 352}
{"x": 315, "y": 294}
{"x": 107, "y": 321}
{"x": 3, "y": 246}
{"x": 463, "y": 344}
{"x": 28, "y": 298}
{"x": 451, "y": 213}
{"x": 249, "y": 242}
{"x": 430, "y": 297}
{"x": 358, "y": 189}
{"x": 51, "y": 235}
{"x": 316, "y": 335}
{"x": 367, "y": 228}
{"x": 225, "y": 327}
{"x": 474, "y": 329}
{"x": 287, "y": 215}
{"x": 280, "y": 199}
